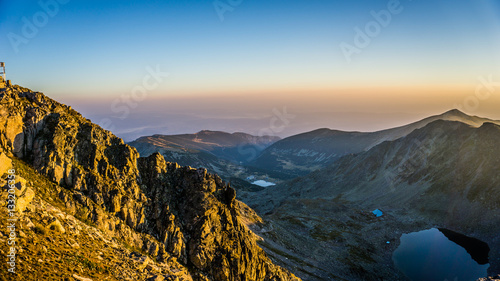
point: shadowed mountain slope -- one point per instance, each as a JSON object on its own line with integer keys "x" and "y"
{"x": 444, "y": 174}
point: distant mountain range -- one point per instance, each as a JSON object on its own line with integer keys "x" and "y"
{"x": 235, "y": 147}
{"x": 443, "y": 173}
{"x": 293, "y": 156}
{"x": 303, "y": 153}
{"x": 222, "y": 153}
{"x": 238, "y": 156}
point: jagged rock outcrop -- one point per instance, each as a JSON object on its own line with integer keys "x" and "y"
{"x": 489, "y": 278}
{"x": 194, "y": 214}
{"x": 51, "y": 244}
{"x": 166, "y": 210}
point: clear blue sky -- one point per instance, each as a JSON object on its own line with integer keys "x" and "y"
{"x": 98, "y": 50}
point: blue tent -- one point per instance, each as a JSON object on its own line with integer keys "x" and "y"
{"x": 377, "y": 213}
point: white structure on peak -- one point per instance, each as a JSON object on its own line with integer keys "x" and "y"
{"x": 2, "y": 70}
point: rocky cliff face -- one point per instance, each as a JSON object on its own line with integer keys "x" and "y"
{"x": 169, "y": 212}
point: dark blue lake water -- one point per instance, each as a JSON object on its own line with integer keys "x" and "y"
{"x": 439, "y": 255}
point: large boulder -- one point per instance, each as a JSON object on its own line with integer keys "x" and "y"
{"x": 5, "y": 163}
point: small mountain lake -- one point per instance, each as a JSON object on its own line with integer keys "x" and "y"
{"x": 263, "y": 183}
{"x": 440, "y": 255}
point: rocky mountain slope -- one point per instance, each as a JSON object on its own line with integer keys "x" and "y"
{"x": 442, "y": 175}
{"x": 301, "y": 154}
{"x": 93, "y": 208}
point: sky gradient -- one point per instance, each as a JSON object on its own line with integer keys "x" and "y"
{"x": 233, "y": 71}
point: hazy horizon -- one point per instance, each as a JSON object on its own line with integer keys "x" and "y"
{"x": 299, "y": 122}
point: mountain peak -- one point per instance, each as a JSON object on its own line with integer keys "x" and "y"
{"x": 457, "y": 115}
{"x": 489, "y": 125}
{"x": 455, "y": 112}
{"x": 209, "y": 132}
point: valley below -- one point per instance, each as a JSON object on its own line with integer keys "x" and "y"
{"x": 332, "y": 240}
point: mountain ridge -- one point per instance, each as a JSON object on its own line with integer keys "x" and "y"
{"x": 303, "y": 153}
{"x": 224, "y": 139}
